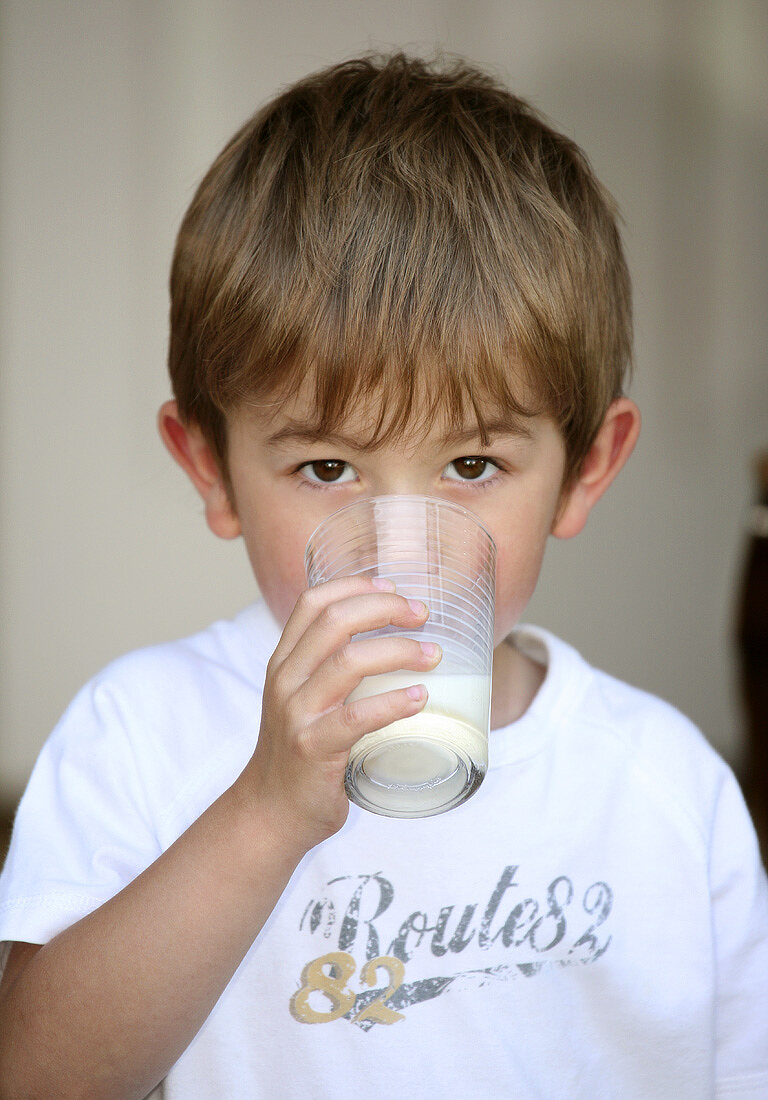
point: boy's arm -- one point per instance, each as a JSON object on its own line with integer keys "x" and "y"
{"x": 739, "y": 888}
{"x": 109, "y": 1005}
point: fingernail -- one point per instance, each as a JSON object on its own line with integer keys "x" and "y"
{"x": 383, "y": 584}
{"x": 418, "y": 691}
{"x": 417, "y": 607}
{"x": 429, "y": 649}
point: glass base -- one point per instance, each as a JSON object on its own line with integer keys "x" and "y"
{"x": 410, "y": 775}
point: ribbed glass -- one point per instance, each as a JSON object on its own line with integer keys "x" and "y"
{"x": 440, "y": 553}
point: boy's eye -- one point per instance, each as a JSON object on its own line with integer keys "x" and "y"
{"x": 328, "y": 470}
{"x": 471, "y": 468}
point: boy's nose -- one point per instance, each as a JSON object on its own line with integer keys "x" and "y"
{"x": 400, "y": 473}
{"x": 402, "y": 536}
{"x": 400, "y": 486}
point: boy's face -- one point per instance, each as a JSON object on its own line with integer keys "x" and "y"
{"x": 285, "y": 482}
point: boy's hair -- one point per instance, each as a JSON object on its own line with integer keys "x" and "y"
{"x": 388, "y": 227}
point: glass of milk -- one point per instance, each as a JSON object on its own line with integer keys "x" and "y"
{"x": 441, "y": 554}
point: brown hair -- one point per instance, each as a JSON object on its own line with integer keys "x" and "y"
{"x": 387, "y": 220}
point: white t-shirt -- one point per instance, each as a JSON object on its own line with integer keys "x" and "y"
{"x": 593, "y": 922}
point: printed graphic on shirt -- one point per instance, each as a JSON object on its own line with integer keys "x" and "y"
{"x": 369, "y": 976}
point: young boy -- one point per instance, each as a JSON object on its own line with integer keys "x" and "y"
{"x": 394, "y": 279}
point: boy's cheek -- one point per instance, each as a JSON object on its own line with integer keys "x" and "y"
{"x": 516, "y": 577}
{"x": 281, "y": 588}
{"x": 510, "y": 604}
{"x": 279, "y": 575}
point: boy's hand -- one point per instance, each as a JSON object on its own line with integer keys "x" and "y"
{"x": 307, "y": 728}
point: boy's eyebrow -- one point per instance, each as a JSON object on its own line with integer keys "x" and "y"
{"x": 504, "y": 425}
{"x": 305, "y": 433}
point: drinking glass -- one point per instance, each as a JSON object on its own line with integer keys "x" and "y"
{"x": 440, "y": 553}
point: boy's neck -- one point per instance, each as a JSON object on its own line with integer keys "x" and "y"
{"x": 516, "y": 680}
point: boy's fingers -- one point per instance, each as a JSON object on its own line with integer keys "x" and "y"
{"x": 313, "y": 601}
{"x": 341, "y": 728}
{"x": 338, "y": 622}
{"x": 334, "y": 680}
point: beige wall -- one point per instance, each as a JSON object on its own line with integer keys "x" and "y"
{"x": 109, "y": 113}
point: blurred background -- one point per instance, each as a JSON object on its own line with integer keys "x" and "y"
{"x": 109, "y": 115}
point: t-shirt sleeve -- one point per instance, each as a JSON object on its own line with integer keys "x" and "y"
{"x": 82, "y": 831}
{"x": 739, "y": 891}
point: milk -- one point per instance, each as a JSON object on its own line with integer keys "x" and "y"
{"x": 430, "y": 761}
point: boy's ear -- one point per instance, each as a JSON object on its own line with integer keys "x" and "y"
{"x": 612, "y": 446}
{"x": 189, "y": 448}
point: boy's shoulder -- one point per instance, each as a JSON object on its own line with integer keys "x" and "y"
{"x": 635, "y": 716}
{"x": 228, "y": 651}
{"x": 654, "y": 732}
{"x": 175, "y": 715}
{"x": 630, "y": 733}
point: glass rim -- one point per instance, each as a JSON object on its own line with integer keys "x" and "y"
{"x": 389, "y": 498}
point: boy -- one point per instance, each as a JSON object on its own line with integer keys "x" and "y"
{"x": 394, "y": 279}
